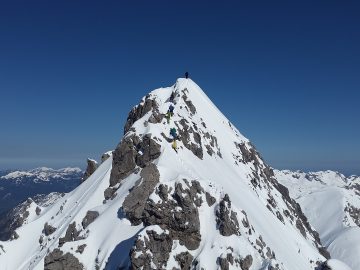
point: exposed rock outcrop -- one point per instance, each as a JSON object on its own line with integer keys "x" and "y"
{"x": 57, "y": 260}
{"x": 105, "y": 156}
{"x": 92, "y": 165}
{"x": 226, "y": 220}
{"x": 185, "y": 129}
{"x": 140, "y": 110}
{"x": 89, "y": 218}
{"x": 72, "y": 234}
{"x": 246, "y": 262}
{"x": 178, "y": 214}
{"x": 48, "y": 229}
{"x": 152, "y": 250}
{"x": 134, "y": 203}
{"x": 130, "y": 153}
{"x": 184, "y": 260}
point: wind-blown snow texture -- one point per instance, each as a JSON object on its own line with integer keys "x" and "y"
{"x": 331, "y": 202}
{"x": 213, "y": 205}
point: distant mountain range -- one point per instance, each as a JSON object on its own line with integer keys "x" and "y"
{"x": 17, "y": 185}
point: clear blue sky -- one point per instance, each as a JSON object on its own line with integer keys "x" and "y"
{"x": 286, "y": 74}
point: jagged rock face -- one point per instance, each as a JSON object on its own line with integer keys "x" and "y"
{"x": 123, "y": 160}
{"x": 57, "y": 260}
{"x": 140, "y": 110}
{"x": 184, "y": 260}
{"x": 134, "y": 203}
{"x": 178, "y": 213}
{"x": 92, "y": 165}
{"x": 243, "y": 264}
{"x": 227, "y": 222}
{"x": 130, "y": 153}
{"x": 89, "y": 218}
{"x": 152, "y": 251}
{"x": 246, "y": 263}
{"x": 72, "y": 234}
{"x": 185, "y": 130}
{"x": 210, "y": 199}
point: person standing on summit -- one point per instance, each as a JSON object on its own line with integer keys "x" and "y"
{"x": 186, "y": 75}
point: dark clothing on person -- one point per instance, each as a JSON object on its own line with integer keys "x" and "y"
{"x": 186, "y": 75}
{"x": 173, "y": 132}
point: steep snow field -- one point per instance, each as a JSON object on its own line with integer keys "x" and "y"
{"x": 270, "y": 228}
{"x": 332, "y": 207}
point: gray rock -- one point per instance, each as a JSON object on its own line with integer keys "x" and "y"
{"x": 139, "y": 111}
{"x": 72, "y": 234}
{"x": 223, "y": 263}
{"x": 131, "y": 152}
{"x": 105, "y": 156}
{"x": 178, "y": 214}
{"x": 48, "y": 229}
{"x": 210, "y": 199}
{"x": 159, "y": 246}
{"x": 189, "y": 103}
{"x": 38, "y": 210}
{"x": 246, "y": 263}
{"x": 57, "y": 260}
{"x": 109, "y": 193}
{"x": 150, "y": 150}
{"x": 81, "y": 248}
{"x": 226, "y": 219}
{"x": 92, "y": 165}
{"x": 134, "y": 203}
{"x": 123, "y": 160}
{"x": 185, "y": 260}
{"x": 184, "y": 130}
{"x": 300, "y": 227}
{"x": 41, "y": 239}
{"x": 323, "y": 251}
{"x": 89, "y": 218}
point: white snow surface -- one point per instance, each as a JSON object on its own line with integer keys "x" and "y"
{"x": 325, "y": 198}
{"x": 337, "y": 265}
{"x": 110, "y": 237}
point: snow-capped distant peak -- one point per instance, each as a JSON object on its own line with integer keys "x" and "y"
{"x": 42, "y": 174}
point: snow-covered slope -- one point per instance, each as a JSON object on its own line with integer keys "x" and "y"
{"x": 331, "y": 202}
{"x": 213, "y": 204}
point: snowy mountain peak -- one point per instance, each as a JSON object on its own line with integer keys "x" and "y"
{"x": 182, "y": 190}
